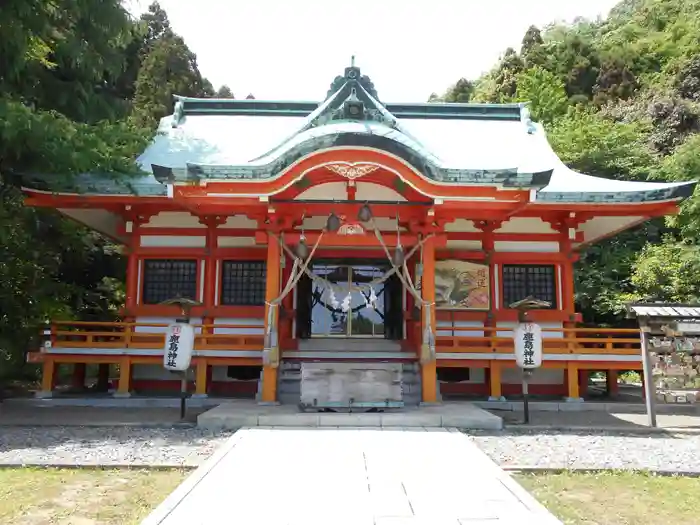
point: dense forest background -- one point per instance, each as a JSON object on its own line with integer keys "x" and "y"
{"x": 619, "y": 98}
{"x": 82, "y": 85}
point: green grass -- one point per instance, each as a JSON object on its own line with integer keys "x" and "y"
{"x": 33, "y": 496}
{"x": 617, "y": 498}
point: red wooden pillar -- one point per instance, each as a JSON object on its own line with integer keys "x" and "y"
{"x": 429, "y": 369}
{"x": 611, "y": 380}
{"x": 583, "y": 376}
{"x": 493, "y": 379}
{"x": 78, "y": 381}
{"x": 103, "y": 377}
{"x": 272, "y": 290}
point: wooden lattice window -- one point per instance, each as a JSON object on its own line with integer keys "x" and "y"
{"x": 524, "y": 280}
{"x": 168, "y": 279}
{"x": 243, "y": 283}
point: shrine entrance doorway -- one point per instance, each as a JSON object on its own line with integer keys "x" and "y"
{"x": 339, "y": 305}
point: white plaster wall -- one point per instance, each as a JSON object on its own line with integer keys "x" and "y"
{"x": 600, "y": 226}
{"x": 461, "y": 225}
{"x": 509, "y": 326}
{"x": 173, "y": 241}
{"x": 525, "y": 225}
{"x": 368, "y": 191}
{"x": 252, "y": 322}
{"x": 318, "y": 222}
{"x": 327, "y": 191}
{"x": 526, "y": 246}
{"x": 240, "y": 221}
{"x": 233, "y": 242}
{"x": 541, "y": 376}
{"x": 452, "y": 328}
{"x": 162, "y": 320}
{"x": 173, "y": 219}
{"x": 464, "y": 245}
{"x": 101, "y": 220}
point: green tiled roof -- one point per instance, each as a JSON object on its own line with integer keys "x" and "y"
{"x": 466, "y": 144}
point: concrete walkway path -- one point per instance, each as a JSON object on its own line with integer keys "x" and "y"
{"x": 349, "y": 476}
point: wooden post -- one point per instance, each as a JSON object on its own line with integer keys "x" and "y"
{"x": 572, "y": 381}
{"x": 103, "y": 377}
{"x": 496, "y": 390}
{"x": 611, "y": 383}
{"x": 272, "y": 290}
{"x": 648, "y": 378}
{"x": 48, "y": 378}
{"x": 78, "y": 381}
{"x": 132, "y": 276}
{"x": 429, "y": 370}
{"x": 488, "y": 245}
{"x": 209, "y": 299}
{"x": 201, "y": 378}
{"x": 124, "y": 389}
{"x": 210, "y": 274}
{"x": 583, "y": 376}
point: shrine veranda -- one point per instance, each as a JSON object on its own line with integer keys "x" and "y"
{"x": 233, "y": 192}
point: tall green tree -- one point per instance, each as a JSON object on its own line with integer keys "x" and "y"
{"x": 224, "y": 92}
{"x": 666, "y": 272}
{"x": 462, "y": 91}
{"x": 169, "y": 68}
{"x": 532, "y": 50}
{"x": 66, "y": 58}
{"x": 590, "y": 143}
{"x": 545, "y": 92}
{"x": 65, "y": 90}
{"x": 615, "y": 81}
{"x": 684, "y": 165}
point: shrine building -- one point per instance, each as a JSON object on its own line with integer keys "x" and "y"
{"x": 349, "y": 232}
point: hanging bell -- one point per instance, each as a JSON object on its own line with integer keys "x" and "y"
{"x": 333, "y": 223}
{"x": 365, "y": 213}
{"x": 302, "y": 249}
{"x": 399, "y": 256}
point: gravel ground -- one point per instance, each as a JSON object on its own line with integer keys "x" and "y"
{"x": 592, "y": 450}
{"x": 108, "y": 445}
{"x": 119, "y": 445}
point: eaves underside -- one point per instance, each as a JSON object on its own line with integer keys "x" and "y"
{"x": 145, "y": 190}
{"x": 272, "y": 108}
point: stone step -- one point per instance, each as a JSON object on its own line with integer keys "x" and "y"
{"x": 243, "y": 413}
{"x": 289, "y": 383}
{"x": 350, "y": 344}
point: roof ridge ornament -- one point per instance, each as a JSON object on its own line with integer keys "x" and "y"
{"x": 352, "y": 74}
{"x": 526, "y": 119}
{"x": 178, "y": 111}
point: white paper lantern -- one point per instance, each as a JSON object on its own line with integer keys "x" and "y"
{"x": 179, "y": 344}
{"x": 527, "y": 339}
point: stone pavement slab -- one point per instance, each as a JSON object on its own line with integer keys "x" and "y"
{"x": 244, "y": 413}
{"x": 17, "y": 414}
{"x": 358, "y": 476}
{"x": 602, "y": 421}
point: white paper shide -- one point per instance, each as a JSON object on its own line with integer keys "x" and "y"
{"x": 179, "y": 343}
{"x": 527, "y": 338}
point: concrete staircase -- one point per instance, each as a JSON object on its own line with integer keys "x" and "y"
{"x": 350, "y": 344}
{"x": 289, "y": 376}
